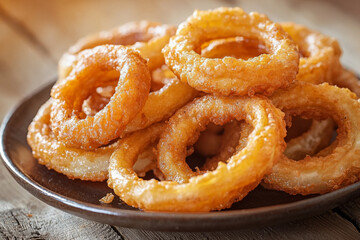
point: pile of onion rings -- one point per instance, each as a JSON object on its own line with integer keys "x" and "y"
{"x": 191, "y": 119}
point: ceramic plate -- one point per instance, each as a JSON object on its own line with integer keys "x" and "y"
{"x": 260, "y": 208}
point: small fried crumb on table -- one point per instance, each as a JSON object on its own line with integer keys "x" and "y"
{"x": 34, "y": 34}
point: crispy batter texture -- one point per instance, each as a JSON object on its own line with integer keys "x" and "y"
{"x": 235, "y": 139}
{"x": 320, "y": 174}
{"x": 192, "y": 119}
{"x": 75, "y": 163}
{"x": 160, "y": 105}
{"x": 147, "y": 37}
{"x": 231, "y": 182}
{"x": 347, "y": 79}
{"x": 210, "y": 140}
{"x": 231, "y": 76}
{"x": 317, "y": 137}
{"x": 129, "y": 98}
{"x": 320, "y": 60}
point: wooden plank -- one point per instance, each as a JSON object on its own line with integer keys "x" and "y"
{"x": 326, "y": 226}
{"x": 58, "y": 24}
{"x": 351, "y": 211}
{"x": 77, "y": 18}
{"x": 50, "y": 223}
{"x": 22, "y": 67}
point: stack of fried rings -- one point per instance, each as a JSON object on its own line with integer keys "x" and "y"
{"x": 228, "y": 86}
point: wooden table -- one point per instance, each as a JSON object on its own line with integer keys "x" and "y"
{"x": 34, "y": 34}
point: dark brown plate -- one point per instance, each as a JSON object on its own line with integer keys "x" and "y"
{"x": 261, "y": 207}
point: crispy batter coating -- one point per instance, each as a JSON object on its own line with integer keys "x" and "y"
{"x": 75, "y": 163}
{"x": 130, "y": 96}
{"x": 310, "y": 142}
{"x": 322, "y": 173}
{"x": 212, "y": 190}
{"x": 320, "y": 60}
{"x": 347, "y": 79}
{"x": 147, "y": 37}
{"x": 228, "y": 75}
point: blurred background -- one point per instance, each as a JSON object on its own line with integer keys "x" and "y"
{"x": 34, "y": 34}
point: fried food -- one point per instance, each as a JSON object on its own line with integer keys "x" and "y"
{"x": 160, "y": 105}
{"x": 310, "y": 142}
{"x": 232, "y": 140}
{"x": 209, "y": 191}
{"x": 320, "y": 174}
{"x": 120, "y": 108}
{"x": 194, "y": 117}
{"x": 231, "y": 76}
{"x": 75, "y": 163}
{"x": 347, "y": 79}
{"x": 320, "y": 54}
{"x": 129, "y": 98}
{"x": 212, "y": 140}
{"x": 108, "y": 198}
{"x": 147, "y": 37}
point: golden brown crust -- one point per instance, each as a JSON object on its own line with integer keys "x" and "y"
{"x": 230, "y": 182}
{"x": 320, "y": 60}
{"x": 320, "y": 174}
{"x": 73, "y": 162}
{"x": 146, "y": 37}
{"x": 129, "y": 98}
{"x": 231, "y": 76}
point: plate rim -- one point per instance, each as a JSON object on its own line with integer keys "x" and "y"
{"x": 228, "y": 219}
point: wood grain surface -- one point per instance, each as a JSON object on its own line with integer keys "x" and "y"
{"x": 34, "y": 34}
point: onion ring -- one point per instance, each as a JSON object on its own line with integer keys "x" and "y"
{"x": 73, "y": 162}
{"x": 230, "y": 76}
{"x": 347, "y": 79}
{"x": 231, "y": 182}
{"x": 317, "y": 137}
{"x": 232, "y": 141}
{"x": 194, "y": 117}
{"x": 210, "y": 140}
{"x": 320, "y": 174}
{"x": 160, "y": 105}
{"x": 129, "y": 98}
{"x": 147, "y": 37}
{"x": 310, "y": 142}
{"x": 76, "y": 163}
{"x": 320, "y": 60}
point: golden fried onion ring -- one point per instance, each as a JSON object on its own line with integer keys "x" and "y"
{"x": 317, "y": 137}
{"x": 76, "y": 163}
{"x": 230, "y": 76}
{"x": 231, "y": 181}
{"x": 129, "y": 97}
{"x": 232, "y": 141}
{"x": 184, "y": 128}
{"x": 320, "y": 60}
{"x": 320, "y": 174}
{"x": 347, "y": 79}
{"x": 147, "y": 37}
{"x": 160, "y": 105}
{"x": 210, "y": 140}
{"x": 73, "y": 162}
